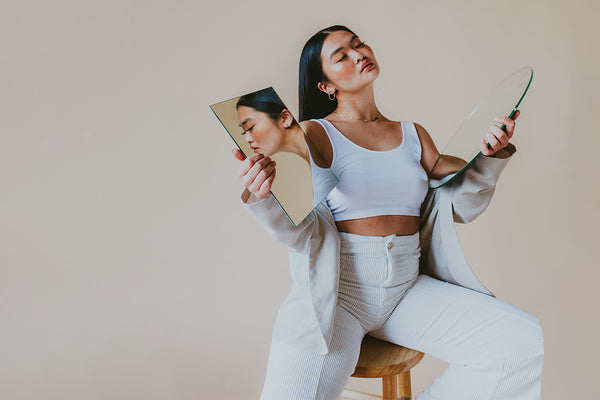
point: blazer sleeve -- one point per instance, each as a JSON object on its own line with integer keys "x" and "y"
{"x": 472, "y": 190}
{"x": 277, "y": 224}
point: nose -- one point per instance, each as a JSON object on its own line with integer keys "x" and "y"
{"x": 358, "y": 56}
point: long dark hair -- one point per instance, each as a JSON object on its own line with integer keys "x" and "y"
{"x": 313, "y": 102}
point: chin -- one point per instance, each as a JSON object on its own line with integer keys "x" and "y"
{"x": 375, "y": 72}
{"x": 368, "y": 80}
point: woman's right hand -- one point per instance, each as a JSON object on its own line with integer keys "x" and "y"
{"x": 257, "y": 173}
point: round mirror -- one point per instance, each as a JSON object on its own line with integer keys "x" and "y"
{"x": 463, "y": 148}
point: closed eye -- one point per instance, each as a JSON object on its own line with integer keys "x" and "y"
{"x": 343, "y": 57}
{"x": 247, "y": 130}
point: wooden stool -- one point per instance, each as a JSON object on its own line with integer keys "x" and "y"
{"x": 380, "y": 359}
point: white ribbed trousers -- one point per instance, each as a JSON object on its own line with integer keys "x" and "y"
{"x": 495, "y": 350}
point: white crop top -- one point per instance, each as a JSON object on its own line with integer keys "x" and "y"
{"x": 372, "y": 182}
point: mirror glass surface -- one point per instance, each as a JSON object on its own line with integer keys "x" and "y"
{"x": 463, "y": 148}
{"x": 295, "y": 177}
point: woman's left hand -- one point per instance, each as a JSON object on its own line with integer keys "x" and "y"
{"x": 498, "y": 138}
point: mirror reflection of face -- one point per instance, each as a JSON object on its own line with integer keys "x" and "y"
{"x": 348, "y": 63}
{"x": 261, "y": 132}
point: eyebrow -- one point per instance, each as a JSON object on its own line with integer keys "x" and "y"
{"x": 333, "y": 53}
{"x": 244, "y": 122}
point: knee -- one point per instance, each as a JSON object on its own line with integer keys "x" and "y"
{"x": 537, "y": 341}
{"x": 528, "y": 339}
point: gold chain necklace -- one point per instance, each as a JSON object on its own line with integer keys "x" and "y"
{"x": 360, "y": 119}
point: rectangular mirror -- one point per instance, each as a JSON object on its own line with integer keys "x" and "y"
{"x": 257, "y": 123}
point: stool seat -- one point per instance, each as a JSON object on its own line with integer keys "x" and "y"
{"x": 389, "y": 361}
{"x": 379, "y": 358}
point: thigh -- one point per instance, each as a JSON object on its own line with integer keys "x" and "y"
{"x": 456, "y": 324}
{"x": 297, "y": 374}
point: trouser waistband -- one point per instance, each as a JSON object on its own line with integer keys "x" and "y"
{"x": 355, "y": 242}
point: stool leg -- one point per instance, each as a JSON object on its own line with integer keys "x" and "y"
{"x": 390, "y": 387}
{"x": 404, "y": 385}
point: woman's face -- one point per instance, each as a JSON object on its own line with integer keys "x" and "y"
{"x": 348, "y": 63}
{"x": 263, "y": 134}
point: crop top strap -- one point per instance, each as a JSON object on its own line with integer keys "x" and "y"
{"x": 409, "y": 129}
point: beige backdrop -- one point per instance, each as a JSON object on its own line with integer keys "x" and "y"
{"x": 129, "y": 268}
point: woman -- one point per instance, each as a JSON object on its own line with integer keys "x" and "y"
{"x": 390, "y": 257}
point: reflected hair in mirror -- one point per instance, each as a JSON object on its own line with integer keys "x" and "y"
{"x": 313, "y": 102}
{"x": 265, "y": 100}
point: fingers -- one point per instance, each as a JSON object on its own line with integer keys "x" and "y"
{"x": 248, "y": 163}
{"x": 265, "y": 188}
{"x": 258, "y": 174}
{"x": 509, "y": 124}
{"x": 497, "y": 138}
{"x": 238, "y": 154}
{"x": 484, "y": 148}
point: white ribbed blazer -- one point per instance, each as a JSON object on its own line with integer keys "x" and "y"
{"x": 305, "y": 318}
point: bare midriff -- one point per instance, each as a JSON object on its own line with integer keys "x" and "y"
{"x": 381, "y": 225}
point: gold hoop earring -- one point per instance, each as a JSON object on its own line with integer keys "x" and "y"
{"x": 330, "y": 94}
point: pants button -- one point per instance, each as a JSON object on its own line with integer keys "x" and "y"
{"x": 389, "y": 245}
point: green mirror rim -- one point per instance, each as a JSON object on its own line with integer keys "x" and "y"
{"x": 438, "y": 183}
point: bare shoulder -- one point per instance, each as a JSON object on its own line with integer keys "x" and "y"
{"x": 429, "y": 152}
{"x": 318, "y": 143}
{"x": 421, "y": 131}
{"x": 423, "y": 135}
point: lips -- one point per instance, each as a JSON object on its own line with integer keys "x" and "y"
{"x": 366, "y": 65}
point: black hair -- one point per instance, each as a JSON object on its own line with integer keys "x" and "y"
{"x": 265, "y": 100}
{"x": 313, "y": 102}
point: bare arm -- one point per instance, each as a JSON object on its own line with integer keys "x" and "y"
{"x": 472, "y": 191}
{"x": 429, "y": 152}
{"x": 448, "y": 164}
